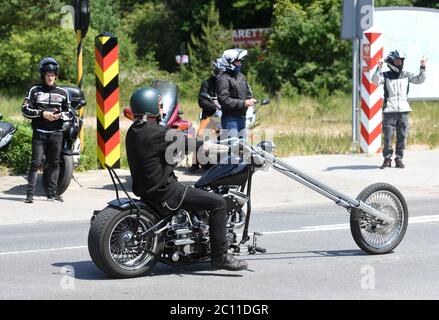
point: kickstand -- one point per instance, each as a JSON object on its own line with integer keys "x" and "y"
{"x": 74, "y": 179}
{"x": 252, "y": 249}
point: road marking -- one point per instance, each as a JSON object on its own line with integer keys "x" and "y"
{"x": 41, "y": 250}
{"x": 423, "y": 219}
{"x": 344, "y": 226}
{"x": 326, "y": 227}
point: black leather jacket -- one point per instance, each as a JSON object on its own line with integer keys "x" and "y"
{"x": 153, "y": 176}
{"x": 44, "y": 98}
{"x": 207, "y": 96}
{"x": 232, "y": 91}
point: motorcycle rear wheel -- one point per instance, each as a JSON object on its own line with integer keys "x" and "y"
{"x": 371, "y": 236}
{"x": 64, "y": 177}
{"x": 112, "y": 246}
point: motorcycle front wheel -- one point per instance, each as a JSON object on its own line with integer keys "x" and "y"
{"x": 113, "y": 247}
{"x": 369, "y": 234}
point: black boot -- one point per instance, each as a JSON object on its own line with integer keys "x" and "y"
{"x": 228, "y": 262}
{"x": 29, "y": 198}
{"x": 54, "y": 197}
{"x": 387, "y": 163}
{"x": 399, "y": 164}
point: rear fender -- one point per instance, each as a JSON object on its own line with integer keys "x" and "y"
{"x": 123, "y": 204}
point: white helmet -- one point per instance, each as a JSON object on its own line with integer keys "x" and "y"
{"x": 218, "y": 67}
{"x": 231, "y": 55}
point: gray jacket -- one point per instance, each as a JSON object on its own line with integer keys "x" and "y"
{"x": 396, "y": 88}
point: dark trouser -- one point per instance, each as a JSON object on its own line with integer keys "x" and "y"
{"x": 50, "y": 145}
{"x": 197, "y": 199}
{"x": 399, "y": 122}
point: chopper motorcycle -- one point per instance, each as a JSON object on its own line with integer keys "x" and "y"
{"x": 128, "y": 237}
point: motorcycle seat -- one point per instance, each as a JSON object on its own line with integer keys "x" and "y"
{"x": 5, "y": 129}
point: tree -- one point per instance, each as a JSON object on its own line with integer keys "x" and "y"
{"x": 426, "y": 3}
{"x": 305, "y": 49}
{"x": 213, "y": 40}
{"x": 28, "y": 14}
{"x": 105, "y": 15}
{"x": 391, "y": 3}
{"x": 154, "y": 29}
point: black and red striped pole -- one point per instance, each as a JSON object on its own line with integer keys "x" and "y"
{"x": 107, "y": 99}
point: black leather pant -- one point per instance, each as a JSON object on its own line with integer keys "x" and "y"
{"x": 196, "y": 199}
{"x": 50, "y": 145}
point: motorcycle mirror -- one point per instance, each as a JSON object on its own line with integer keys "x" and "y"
{"x": 267, "y": 146}
{"x": 128, "y": 113}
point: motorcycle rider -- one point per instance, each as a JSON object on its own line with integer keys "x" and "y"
{"x": 396, "y": 108}
{"x": 45, "y": 105}
{"x": 154, "y": 181}
{"x": 208, "y": 102}
{"x": 233, "y": 92}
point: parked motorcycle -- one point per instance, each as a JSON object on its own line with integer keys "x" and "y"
{"x": 128, "y": 237}
{"x": 7, "y": 130}
{"x": 71, "y": 144}
{"x": 171, "y": 108}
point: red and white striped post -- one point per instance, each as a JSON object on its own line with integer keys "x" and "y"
{"x": 371, "y": 95}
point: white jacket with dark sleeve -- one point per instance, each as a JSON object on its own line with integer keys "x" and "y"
{"x": 396, "y": 88}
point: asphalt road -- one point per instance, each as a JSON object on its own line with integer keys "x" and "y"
{"x": 310, "y": 255}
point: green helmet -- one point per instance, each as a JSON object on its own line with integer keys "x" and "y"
{"x": 145, "y": 101}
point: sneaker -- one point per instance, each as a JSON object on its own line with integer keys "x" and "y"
{"x": 54, "y": 197}
{"x": 228, "y": 262}
{"x": 387, "y": 163}
{"x": 29, "y": 199}
{"x": 399, "y": 164}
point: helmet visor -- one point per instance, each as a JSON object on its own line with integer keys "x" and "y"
{"x": 397, "y": 62}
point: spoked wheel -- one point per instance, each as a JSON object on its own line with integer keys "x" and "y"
{"x": 114, "y": 248}
{"x": 371, "y": 235}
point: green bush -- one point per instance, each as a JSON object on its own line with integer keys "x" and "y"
{"x": 18, "y": 154}
{"x": 89, "y": 160}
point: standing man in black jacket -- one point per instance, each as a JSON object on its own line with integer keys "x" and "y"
{"x": 45, "y": 105}
{"x": 154, "y": 179}
{"x": 208, "y": 102}
{"x": 234, "y": 94}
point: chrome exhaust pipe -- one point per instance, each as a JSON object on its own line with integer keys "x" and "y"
{"x": 179, "y": 242}
{"x": 177, "y": 232}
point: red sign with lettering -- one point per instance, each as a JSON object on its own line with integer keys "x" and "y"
{"x": 250, "y": 37}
